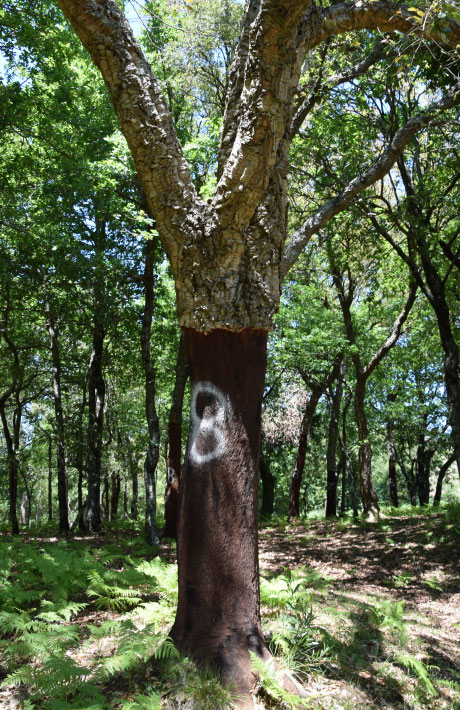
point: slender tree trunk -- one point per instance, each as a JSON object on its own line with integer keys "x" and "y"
{"x": 422, "y": 476}
{"x": 174, "y": 459}
{"x": 268, "y": 487}
{"x": 115, "y": 487}
{"x": 125, "y": 499}
{"x": 59, "y": 418}
{"x": 441, "y": 475}
{"x": 13, "y": 470}
{"x": 153, "y": 427}
{"x": 218, "y": 616}
{"x": 331, "y": 454}
{"x": 305, "y": 428}
{"x": 50, "y": 479}
{"x": 392, "y": 459}
{"x": 368, "y": 493}
{"x": 96, "y": 397}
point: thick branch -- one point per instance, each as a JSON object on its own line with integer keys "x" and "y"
{"x": 376, "y": 171}
{"x": 142, "y": 112}
{"x": 386, "y": 16}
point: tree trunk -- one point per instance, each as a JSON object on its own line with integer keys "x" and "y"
{"x": 441, "y": 475}
{"x": 59, "y": 418}
{"x": 96, "y": 397}
{"x": 174, "y": 459}
{"x": 153, "y": 425}
{"x": 422, "y": 468}
{"x": 368, "y": 492}
{"x": 115, "y": 497}
{"x": 50, "y": 479}
{"x": 268, "y": 487}
{"x": 13, "y": 469}
{"x": 392, "y": 460}
{"x": 218, "y": 616}
{"x": 305, "y": 427}
{"x": 331, "y": 454}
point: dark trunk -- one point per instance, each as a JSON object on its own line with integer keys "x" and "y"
{"x": 59, "y": 419}
{"x": 218, "y": 616}
{"x": 422, "y": 468}
{"x": 79, "y": 460}
{"x": 13, "y": 470}
{"x": 125, "y": 499}
{"x": 50, "y": 479}
{"x": 392, "y": 459}
{"x": 331, "y": 454}
{"x": 115, "y": 497}
{"x": 296, "y": 481}
{"x": 268, "y": 487}
{"x": 153, "y": 426}
{"x": 174, "y": 458}
{"x": 441, "y": 475}
{"x": 96, "y": 397}
{"x": 366, "y": 484}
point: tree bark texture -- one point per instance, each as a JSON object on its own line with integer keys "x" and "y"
{"x": 305, "y": 429}
{"x": 174, "y": 460}
{"x": 153, "y": 425}
{"x": 59, "y": 418}
{"x": 218, "y": 616}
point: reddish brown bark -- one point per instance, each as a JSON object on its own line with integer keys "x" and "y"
{"x": 218, "y": 616}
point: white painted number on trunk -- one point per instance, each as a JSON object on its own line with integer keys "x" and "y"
{"x": 171, "y": 475}
{"x": 209, "y": 409}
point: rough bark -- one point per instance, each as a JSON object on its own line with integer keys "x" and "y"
{"x": 440, "y": 480}
{"x": 218, "y": 617}
{"x": 153, "y": 426}
{"x": 305, "y": 428}
{"x": 331, "y": 453}
{"x": 174, "y": 459}
{"x": 59, "y": 417}
{"x": 366, "y": 484}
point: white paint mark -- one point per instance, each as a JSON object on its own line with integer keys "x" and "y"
{"x": 171, "y": 475}
{"x": 295, "y": 475}
{"x": 209, "y": 409}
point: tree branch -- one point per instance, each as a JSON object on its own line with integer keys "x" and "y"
{"x": 386, "y": 16}
{"x": 395, "y": 333}
{"x": 142, "y": 112}
{"x": 377, "y": 170}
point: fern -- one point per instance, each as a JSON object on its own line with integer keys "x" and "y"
{"x": 166, "y": 650}
{"x": 271, "y": 682}
{"x": 144, "y": 702}
{"x": 418, "y": 668}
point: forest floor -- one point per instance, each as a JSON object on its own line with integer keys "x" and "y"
{"x": 383, "y": 595}
{"x": 371, "y": 610}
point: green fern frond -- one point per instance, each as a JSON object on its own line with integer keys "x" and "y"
{"x": 418, "y": 668}
{"x": 166, "y": 650}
